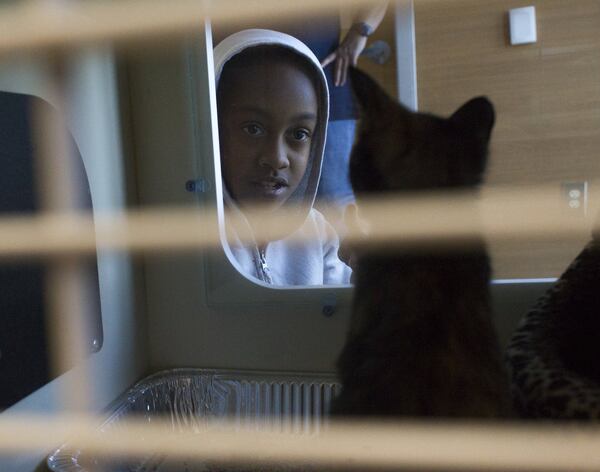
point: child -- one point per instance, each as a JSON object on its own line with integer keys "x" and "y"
{"x": 272, "y": 102}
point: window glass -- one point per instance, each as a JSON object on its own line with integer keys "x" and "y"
{"x": 544, "y": 94}
{"x": 24, "y": 356}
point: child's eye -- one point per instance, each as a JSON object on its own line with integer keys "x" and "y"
{"x": 301, "y": 134}
{"x": 253, "y": 129}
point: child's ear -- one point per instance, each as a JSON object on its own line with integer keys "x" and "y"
{"x": 371, "y": 97}
{"x": 478, "y": 116}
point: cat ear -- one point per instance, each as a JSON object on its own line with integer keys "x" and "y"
{"x": 476, "y": 115}
{"x": 369, "y": 94}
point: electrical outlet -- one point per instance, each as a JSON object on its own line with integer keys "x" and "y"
{"x": 576, "y": 195}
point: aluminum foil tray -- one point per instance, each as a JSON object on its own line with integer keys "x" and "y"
{"x": 187, "y": 397}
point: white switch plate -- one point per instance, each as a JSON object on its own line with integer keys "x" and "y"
{"x": 522, "y": 23}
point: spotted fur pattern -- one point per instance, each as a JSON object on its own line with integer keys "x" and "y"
{"x": 554, "y": 355}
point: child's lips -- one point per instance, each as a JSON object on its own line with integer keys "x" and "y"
{"x": 271, "y": 186}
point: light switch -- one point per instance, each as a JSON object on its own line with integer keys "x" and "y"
{"x": 523, "y": 28}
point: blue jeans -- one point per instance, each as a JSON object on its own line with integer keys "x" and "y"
{"x": 335, "y": 190}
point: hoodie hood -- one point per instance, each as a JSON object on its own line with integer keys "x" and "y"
{"x": 301, "y": 201}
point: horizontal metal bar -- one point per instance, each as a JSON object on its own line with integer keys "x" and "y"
{"x": 34, "y": 26}
{"x": 423, "y": 445}
{"x": 508, "y": 215}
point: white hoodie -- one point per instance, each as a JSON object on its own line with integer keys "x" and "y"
{"x": 284, "y": 262}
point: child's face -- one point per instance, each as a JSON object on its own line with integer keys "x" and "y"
{"x": 266, "y": 126}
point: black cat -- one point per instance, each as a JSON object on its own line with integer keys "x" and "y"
{"x": 421, "y": 341}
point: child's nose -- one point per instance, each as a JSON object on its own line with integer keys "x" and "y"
{"x": 275, "y": 155}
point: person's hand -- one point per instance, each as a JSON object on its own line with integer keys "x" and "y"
{"x": 345, "y": 55}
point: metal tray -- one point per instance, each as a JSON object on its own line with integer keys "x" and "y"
{"x": 187, "y": 397}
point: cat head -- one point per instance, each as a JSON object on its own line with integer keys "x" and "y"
{"x": 399, "y": 150}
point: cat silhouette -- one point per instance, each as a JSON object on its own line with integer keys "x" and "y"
{"x": 421, "y": 341}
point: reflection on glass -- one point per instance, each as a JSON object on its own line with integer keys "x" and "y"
{"x": 24, "y": 359}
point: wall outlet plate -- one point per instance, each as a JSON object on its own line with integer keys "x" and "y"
{"x": 576, "y": 195}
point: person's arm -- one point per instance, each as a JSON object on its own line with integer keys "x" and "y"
{"x": 335, "y": 271}
{"x": 364, "y": 23}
